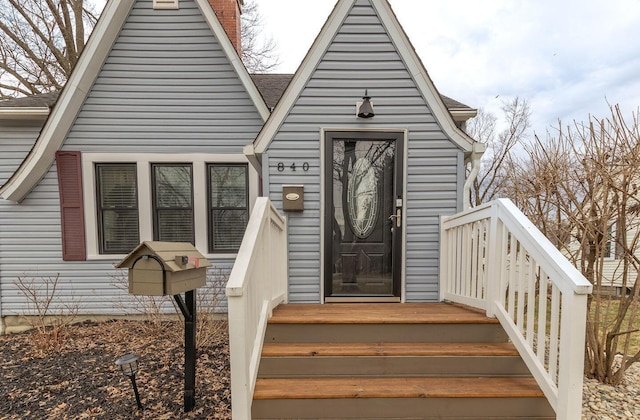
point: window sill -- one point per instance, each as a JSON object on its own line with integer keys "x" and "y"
{"x": 119, "y": 257}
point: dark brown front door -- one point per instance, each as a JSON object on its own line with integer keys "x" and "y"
{"x": 363, "y": 217}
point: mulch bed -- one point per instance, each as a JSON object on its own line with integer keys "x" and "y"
{"x": 78, "y": 379}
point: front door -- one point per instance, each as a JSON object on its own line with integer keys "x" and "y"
{"x": 363, "y": 217}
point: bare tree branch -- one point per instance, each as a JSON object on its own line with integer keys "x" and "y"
{"x": 259, "y": 53}
{"x": 580, "y": 187}
{"x": 497, "y": 160}
{"x": 40, "y": 42}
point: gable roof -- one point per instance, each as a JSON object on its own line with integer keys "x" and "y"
{"x": 405, "y": 49}
{"x": 70, "y": 100}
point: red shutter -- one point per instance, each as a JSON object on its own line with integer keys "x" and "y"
{"x": 71, "y": 205}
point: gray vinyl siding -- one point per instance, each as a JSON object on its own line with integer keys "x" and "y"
{"x": 16, "y": 139}
{"x": 166, "y": 87}
{"x": 361, "y": 57}
{"x": 31, "y": 247}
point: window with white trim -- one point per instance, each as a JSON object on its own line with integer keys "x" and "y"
{"x": 614, "y": 243}
{"x": 204, "y": 199}
{"x": 609, "y": 244}
{"x": 117, "y": 206}
{"x": 172, "y": 202}
{"x": 228, "y": 206}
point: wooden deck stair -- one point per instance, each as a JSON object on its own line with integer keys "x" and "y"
{"x": 379, "y": 361}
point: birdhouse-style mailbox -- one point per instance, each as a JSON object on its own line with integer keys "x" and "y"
{"x": 165, "y": 268}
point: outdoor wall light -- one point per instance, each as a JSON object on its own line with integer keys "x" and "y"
{"x": 365, "y": 108}
{"x": 129, "y": 365}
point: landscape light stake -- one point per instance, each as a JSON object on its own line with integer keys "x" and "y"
{"x": 129, "y": 365}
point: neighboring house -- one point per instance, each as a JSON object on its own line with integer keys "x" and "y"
{"x": 611, "y": 260}
{"x": 160, "y": 134}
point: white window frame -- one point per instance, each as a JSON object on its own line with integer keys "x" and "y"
{"x": 145, "y": 206}
{"x": 610, "y": 243}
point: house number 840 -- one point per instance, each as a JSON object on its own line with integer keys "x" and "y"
{"x": 281, "y": 167}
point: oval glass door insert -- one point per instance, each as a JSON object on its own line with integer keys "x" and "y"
{"x": 362, "y": 198}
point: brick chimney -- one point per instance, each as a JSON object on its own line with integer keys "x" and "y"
{"x": 228, "y": 13}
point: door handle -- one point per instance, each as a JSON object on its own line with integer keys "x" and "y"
{"x": 397, "y": 217}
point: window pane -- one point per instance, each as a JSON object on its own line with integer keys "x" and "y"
{"x": 175, "y": 225}
{"x": 228, "y": 206}
{"x": 117, "y": 208}
{"x": 118, "y": 186}
{"x": 173, "y": 203}
{"x": 228, "y": 186}
{"x": 120, "y": 231}
{"x": 228, "y": 229}
{"x": 173, "y": 186}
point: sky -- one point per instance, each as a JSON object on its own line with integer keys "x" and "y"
{"x": 569, "y": 59}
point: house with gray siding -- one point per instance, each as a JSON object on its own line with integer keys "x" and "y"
{"x": 160, "y": 134}
{"x": 144, "y": 142}
{"x": 333, "y": 203}
{"x": 411, "y": 156}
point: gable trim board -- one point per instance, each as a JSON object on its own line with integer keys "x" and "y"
{"x": 407, "y": 53}
{"x": 61, "y": 119}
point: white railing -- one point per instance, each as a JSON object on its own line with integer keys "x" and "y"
{"x": 257, "y": 284}
{"x": 495, "y": 259}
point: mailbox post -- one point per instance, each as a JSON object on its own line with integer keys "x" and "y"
{"x": 171, "y": 268}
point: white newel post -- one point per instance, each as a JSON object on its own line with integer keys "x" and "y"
{"x": 445, "y": 275}
{"x": 240, "y": 372}
{"x": 494, "y": 260}
{"x": 572, "y": 345}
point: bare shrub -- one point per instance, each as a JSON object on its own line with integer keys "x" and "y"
{"x": 47, "y": 313}
{"x": 152, "y": 309}
{"x": 581, "y": 189}
{"x": 211, "y": 327}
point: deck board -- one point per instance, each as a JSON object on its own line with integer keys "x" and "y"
{"x": 403, "y": 387}
{"x": 390, "y": 313}
{"x": 387, "y": 349}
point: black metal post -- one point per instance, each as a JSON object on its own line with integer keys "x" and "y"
{"x": 190, "y": 352}
{"x": 188, "y": 309}
{"x": 135, "y": 391}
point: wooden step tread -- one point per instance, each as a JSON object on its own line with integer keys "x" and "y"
{"x": 387, "y": 349}
{"x": 404, "y": 387}
{"x": 364, "y": 313}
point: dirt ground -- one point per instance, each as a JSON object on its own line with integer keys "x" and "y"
{"x": 78, "y": 379}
